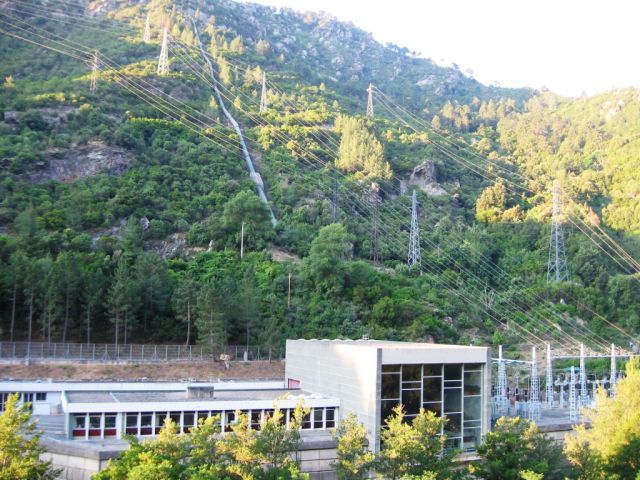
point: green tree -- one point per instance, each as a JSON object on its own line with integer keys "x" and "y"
{"x": 609, "y": 448}
{"x": 185, "y": 298}
{"x": 360, "y": 152}
{"x": 248, "y": 304}
{"x": 414, "y": 448}
{"x": 491, "y": 203}
{"x": 325, "y": 265}
{"x": 19, "y": 445}
{"x": 153, "y": 285}
{"x": 247, "y": 208}
{"x": 355, "y": 460}
{"x": 211, "y": 319}
{"x": 516, "y": 445}
{"x": 163, "y": 457}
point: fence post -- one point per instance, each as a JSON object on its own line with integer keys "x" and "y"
{"x": 166, "y": 353}
{"x": 130, "y": 351}
{"x": 81, "y": 352}
{"x": 178, "y": 352}
{"x": 94, "y": 352}
{"x": 55, "y": 347}
{"x": 142, "y": 355}
{"x": 190, "y": 352}
{"x": 201, "y": 352}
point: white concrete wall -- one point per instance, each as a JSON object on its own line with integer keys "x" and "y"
{"x": 344, "y": 371}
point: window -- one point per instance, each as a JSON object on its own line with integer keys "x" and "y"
{"x": 109, "y": 424}
{"x": 131, "y": 424}
{"x": 41, "y": 397}
{"x": 330, "y": 418}
{"x": 255, "y": 419}
{"x": 318, "y": 413}
{"x": 453, "y": 391}
{"x": 160, "y": 419}
{"x": 95, "y": 427}
{"x": 306, "y": 421}
{"x": 146, "y": 423}
{"x": 27, "y": 398}
{"x": 230, "y": 419}
{"x": 79, "y": 425}
{"x": 188, "y": 421}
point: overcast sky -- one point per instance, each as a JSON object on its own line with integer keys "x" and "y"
{"x": 569, "y": 46}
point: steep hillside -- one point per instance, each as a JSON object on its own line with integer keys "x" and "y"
{"x": 122, "y": 208}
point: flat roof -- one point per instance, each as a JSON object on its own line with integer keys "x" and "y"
{"x": 388, "y": 344}
{"x": 96, "y": 397}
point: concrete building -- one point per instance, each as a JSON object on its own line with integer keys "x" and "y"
{"x": 84, "y": 422}
{"x": 371, "y": 377}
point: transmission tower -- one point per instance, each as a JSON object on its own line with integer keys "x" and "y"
{"x": 557, "y": 268}
{"x": 549, "y": 385}
{"x": 95, "y": 65}
{"x": 263, "y": 95}
{"x": 614, "y": 372}
{"x": 573, "y": 401}
{"x": 335, "y": 202}
{"x": 584, "y": 400}
{"x": 415, "y": 257}
{"x": 163, "y": 61}
{"x": 375, "y": 200}
{"x": 370, "y": 101}
{"x": 146, "y": 36}
{"x": 534, "y": 390}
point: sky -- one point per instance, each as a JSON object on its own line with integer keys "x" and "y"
{"x": 571, "y": 47}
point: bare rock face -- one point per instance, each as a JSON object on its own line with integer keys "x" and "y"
{"x": 425, "y": 177}
{"x": 83, "y": 161}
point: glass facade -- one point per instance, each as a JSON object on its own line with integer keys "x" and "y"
{"x": 450, "y": 390}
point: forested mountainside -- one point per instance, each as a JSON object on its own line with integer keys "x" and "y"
{"x": 122, "y": 207}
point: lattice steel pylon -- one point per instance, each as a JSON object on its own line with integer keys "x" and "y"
{"x": 370, "y": 101}
{"x": 163, "y": 61}
{"x": 502, "y": 402}
{"x": 584, "y": 398}
{"x": 613, "y": 381}
{"x": 415, "y": 256}
{"x": 534, "y": 390}
{"x": 557, "y": 268}
{"x": 549, "y": 384}
{"x": 146, "y": 36}
{"x": 375, "y": 200}
{"x": 95, "y": 66}
{"x": 263, "y": 94}
{"x": 573, "y": 400}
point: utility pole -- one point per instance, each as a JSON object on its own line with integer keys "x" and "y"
{"x": 375, "y": 200}
{"x": 263, "y": 95}
{"x": 557, "y": 268}
{"x": 370, "y": 101}
{"x": 415, "y": 256}
{"x": 335, "y": 199}
{"x": 95, "y": 66}
{"x": 289, "y": 293}
{"x": 163, "y": 61}
{"x": 242, "y": 240}
{"x": 146, "y": 36}
{"x": 534, "y": 390}
{"x": 549, "y": 386}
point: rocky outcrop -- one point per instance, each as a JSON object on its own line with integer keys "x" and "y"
{"x": 83, "y": 161}
{"x": 425, "y": 177}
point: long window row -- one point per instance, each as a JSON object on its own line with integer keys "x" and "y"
{"x": 103, "y": 425}
{"x": 25, "y": 397}
{"x": 450, "y": 390}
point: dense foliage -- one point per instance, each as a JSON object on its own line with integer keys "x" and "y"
{"x": 244, "y": 453}
{"x": 19, "y": 445}
{"x": 148, "y": 250}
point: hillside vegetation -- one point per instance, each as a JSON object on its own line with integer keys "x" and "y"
{"x": 121, "y": 221}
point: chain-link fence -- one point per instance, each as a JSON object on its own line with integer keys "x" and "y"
{"x": 134, "y": 353}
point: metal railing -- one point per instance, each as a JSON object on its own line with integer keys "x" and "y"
{"x": 133, "y": 353}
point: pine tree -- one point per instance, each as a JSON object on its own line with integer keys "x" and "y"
{"x": 211, "y": 320}
{"x": 185, "y": 299}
